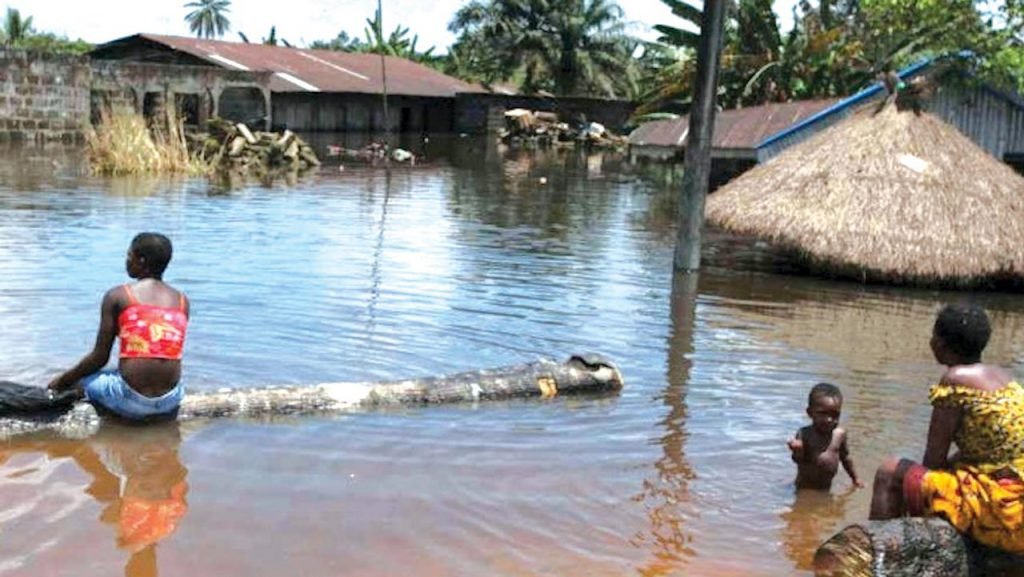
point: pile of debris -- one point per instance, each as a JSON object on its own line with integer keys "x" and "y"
{"x": 546, "y": 129}
{"x": 236, "y": 148}
{"x": 373, "y": 153}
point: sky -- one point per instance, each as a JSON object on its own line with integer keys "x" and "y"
{"x": 300, "y": 22}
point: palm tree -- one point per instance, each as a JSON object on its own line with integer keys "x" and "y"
{"x": 571, "y": 47}
{"x": 397, "y": 43}
{"x": 16, "y": 29}
{"x": 207, "y": 20}
{"x": 273, "y": 40}
{"x": 681, "y": 37}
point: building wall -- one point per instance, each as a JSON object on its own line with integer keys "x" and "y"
{"x": 480, "y": 113}
{"x": 992, "y": 120}
{"x": 43, "y": 99}
{"x": 47, "y": 98}
{"x": 325, "y": 112}
{"x": 233, "y": 95}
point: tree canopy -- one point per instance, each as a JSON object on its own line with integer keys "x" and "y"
{"x": 207, "y": 18}
{"x": 17, "y": 31}
{"x": 567, "y": 47}
{"x": 584, "y": 48}
{"x": 397, "y": 43}
{"x": 835, "y": 47}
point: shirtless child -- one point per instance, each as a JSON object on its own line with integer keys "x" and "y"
{"x": 818, "y": 448}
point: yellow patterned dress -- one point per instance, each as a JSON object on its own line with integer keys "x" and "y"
{"x": 983, "y": 495}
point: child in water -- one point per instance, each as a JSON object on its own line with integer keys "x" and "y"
{"x": 818, "y": 448}
{"x": 149, "y": 317}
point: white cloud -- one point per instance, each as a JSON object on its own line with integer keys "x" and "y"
{"x": 301, "y": 23}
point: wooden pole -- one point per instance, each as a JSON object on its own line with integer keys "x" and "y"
{"x": 697, "y": 165}
{"x": 384, "y": 80}
{"x": 580, "y": 374}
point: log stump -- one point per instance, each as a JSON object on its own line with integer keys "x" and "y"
{"x": 580, "y": 374}
{"x": 910, "y": 547}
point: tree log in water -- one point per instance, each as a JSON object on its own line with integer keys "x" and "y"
{"x": 544, "y": 378}
{"x": 910, "y": 547}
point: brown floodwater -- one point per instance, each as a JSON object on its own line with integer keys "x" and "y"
{"x": 467, "y": 260}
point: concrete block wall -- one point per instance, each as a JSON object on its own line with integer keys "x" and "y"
{"x": 43, "y": 99}
{"x": 231, "y": 94}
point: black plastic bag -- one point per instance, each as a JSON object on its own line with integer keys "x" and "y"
{"x": 17, "y": 399}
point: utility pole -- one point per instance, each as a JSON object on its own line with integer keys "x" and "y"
{"x": 384, "y": 78}
{"x": 697, "y": 164}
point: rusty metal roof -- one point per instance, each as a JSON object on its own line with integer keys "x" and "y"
{"x": 305, "y": 70}
{"x": 742, "y": 128}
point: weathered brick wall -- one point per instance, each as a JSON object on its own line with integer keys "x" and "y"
{"x": 43, "y": 98}
{"x": 232, "y": 94}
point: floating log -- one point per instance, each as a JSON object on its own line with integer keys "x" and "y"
{"x": 291, "y": 152}
{"x": 234, "y": 148}
{"x": 246, "y": 133}
{"x": 543, "y": 378}
{"x": 910, "y": 547}
{"x": 305, "y": 153}
{"x": 237, "y": 145}
{"x": 286, "y": 138}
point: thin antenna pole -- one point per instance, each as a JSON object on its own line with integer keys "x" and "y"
{"x": 383, "y": 75}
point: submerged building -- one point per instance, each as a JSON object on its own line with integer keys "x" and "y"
{"x": 992, "y": 118}
{"x": 45, "y": 98}
{"x": 300, "y": 89}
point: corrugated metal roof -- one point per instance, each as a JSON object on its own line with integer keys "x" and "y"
{"x": 305, "y": 70}
{"x": 743, "y": 128}
{"x": 876, "y": 89}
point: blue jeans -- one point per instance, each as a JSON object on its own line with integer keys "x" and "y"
{"x": 108, "y": 389}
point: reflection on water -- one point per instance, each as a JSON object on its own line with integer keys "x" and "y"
{"x": 135, "y": 476}
{"x": 813, "y": 513}
{"x": 665, "y": 497}
{"x": 480, "y": 256}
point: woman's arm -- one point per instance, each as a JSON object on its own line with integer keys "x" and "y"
{"x": 100, "y": 353}
{"x": 944, "y": 423}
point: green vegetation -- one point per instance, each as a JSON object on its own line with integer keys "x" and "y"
{"x": 16, "y": 28}
{"x": 582, "y": 47}
{"x": 835, "y": 47}
{"x": 207, "y": 18}
{"x": 270, "y": 40}
{"x": 567, "y": 47}
{"x": 17, "y": 32}
{"x": 397, "y": 43}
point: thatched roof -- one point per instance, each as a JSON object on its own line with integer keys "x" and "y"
{"x": 891, "y": 197}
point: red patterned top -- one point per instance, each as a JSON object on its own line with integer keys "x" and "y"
{"x": 151, "y": 332}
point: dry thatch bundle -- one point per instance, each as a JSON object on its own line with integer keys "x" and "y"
{"x": 891, "y": 197}
{"x": 124, "y": 144}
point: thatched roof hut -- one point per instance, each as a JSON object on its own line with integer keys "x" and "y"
{"x": 888, "y": 196}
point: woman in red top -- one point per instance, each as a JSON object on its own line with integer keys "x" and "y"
{"x": 149, "y": 317}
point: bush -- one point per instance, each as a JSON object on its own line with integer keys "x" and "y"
{"x": 123, "y": 143}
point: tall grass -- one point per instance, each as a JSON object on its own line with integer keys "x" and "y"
{"x": 123, "y": 144}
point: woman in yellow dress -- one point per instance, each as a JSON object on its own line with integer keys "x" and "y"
{"x": 980, "y": 407}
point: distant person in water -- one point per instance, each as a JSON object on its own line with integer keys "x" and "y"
{"x": 149, "y": 317}
{"x": 979, "y": 487}
{"x": 820, "y": 447}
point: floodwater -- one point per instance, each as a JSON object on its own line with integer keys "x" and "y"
{"x": 463, "y": 262}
